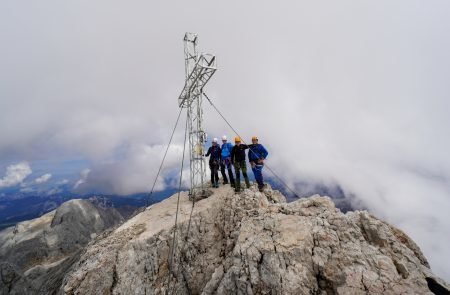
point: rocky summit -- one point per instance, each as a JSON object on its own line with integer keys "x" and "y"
{"x": 252, "y": 243}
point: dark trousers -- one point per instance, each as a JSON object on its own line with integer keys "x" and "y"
{"x": 214, "y": 167}
{"x": 238, "y": 167}
{"x": 226, "y": 163}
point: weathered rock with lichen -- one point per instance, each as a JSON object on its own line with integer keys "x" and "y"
{"x": 253, "y": 243}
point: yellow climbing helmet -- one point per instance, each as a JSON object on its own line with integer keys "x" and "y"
{"x": 254, "y": 138}
{"x": 237, "y": 139}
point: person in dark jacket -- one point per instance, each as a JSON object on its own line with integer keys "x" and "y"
{"x": 238, "y": 160}
{"x": 226, "y": 161}
{"x": 256, "y": 156}
{"x": 214, "y": 153}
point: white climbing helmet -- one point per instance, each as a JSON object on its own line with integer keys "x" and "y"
{"x": 224, "y": 137}
{"x": 215, "y": 140}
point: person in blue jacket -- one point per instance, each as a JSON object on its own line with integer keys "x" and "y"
{"x": 256, "y": 156}
{"x": 226, "y": 161}
{"x": 214, "y": 153}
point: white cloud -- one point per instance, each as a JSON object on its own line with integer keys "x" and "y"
{"x": 53, "y": 191}
{"x": 134, "y": 172}
{"x": 15, "y": 174}
{"x": 42, "y": 179}
{"x": 352, "y": 92}
{"x": 83, "y": 177}
{"x": 62, "y": 182}
{"x": 27, "y": 189}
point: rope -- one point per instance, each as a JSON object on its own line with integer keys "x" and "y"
{"x": 178, "y": 205}
{"x": 162, "y": 162}
{"x": 234, "y": 130}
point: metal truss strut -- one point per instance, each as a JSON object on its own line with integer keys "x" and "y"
{"x": 199, "y": 68}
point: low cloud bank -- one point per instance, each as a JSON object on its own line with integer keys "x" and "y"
{"x": 42, "y": 179}
{"x": 15, "y": 174}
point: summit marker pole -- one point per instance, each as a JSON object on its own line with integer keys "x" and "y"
{"x": 199, "y": 68}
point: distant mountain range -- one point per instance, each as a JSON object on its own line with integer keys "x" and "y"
{"x": 17, "y": 207}
{"x": 35, "y": 254}
{"x": 247, "y": 243}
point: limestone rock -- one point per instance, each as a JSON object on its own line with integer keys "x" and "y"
{"x": 36, "y": 254}
{"x": 252, "y": 243}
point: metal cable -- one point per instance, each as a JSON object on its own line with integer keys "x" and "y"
{"x": 172, "y": 252}
{"x": 184, "y": 240}
{"x": 189, "y": 223}
{"x": 184, "y": 244}
{"x": 234, "y": 130}
{"x": 170, "y": 262}
{"x": 164, "y": 158}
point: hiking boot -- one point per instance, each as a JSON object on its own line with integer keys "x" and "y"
{"x": 237, "y": 190}
{"x": 261, "y": 188}
{"x": 225, "y": 182}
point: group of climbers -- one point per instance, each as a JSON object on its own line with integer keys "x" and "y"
{"x": 228, "y": 156}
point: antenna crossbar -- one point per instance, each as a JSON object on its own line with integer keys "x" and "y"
{"x": 199, "y": 68}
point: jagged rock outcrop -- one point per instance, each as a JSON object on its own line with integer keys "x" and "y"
{"x": 253, "y": 243}
{"x": 36, "y": 254}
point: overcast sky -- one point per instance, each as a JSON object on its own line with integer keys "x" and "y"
{"x": 354, "y": 93}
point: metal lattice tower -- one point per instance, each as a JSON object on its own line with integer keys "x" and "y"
{"x": 199, "y": 69}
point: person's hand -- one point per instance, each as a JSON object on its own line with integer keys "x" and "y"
{"x": 261, "y": 161}
{"x": 253, "y": 164}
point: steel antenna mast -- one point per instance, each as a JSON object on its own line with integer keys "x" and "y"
{"x": 199, "y": 69}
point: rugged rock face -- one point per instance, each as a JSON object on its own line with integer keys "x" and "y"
{"x": 35, "y": 254}
{"x": 253, "y": 243}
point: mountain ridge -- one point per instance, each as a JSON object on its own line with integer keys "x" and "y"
{"x": 35, "y": 254}
{"x": 252, "y": 243}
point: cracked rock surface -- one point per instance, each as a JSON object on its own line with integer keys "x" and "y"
{"x": 36, "y": 254}
{"x": 252, "y": 243}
